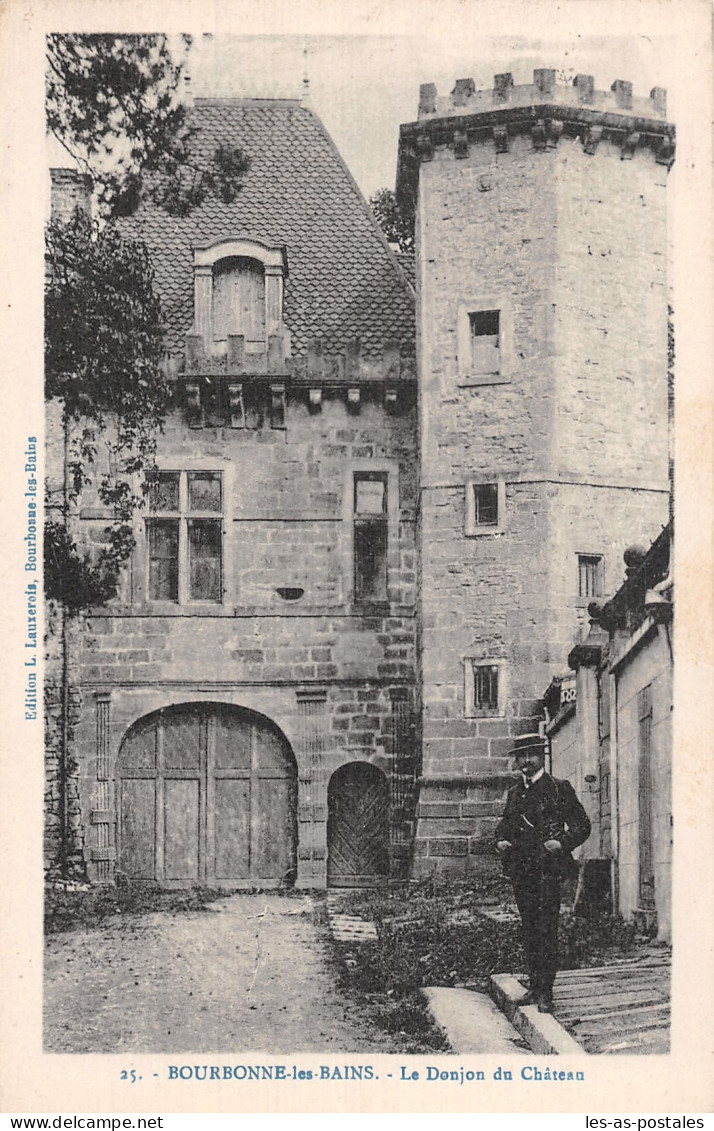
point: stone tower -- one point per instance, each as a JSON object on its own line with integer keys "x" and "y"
{"x": 542, "y": 353}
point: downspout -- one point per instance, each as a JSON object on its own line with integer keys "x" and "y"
{"x": 614, "y": 795}
{"x": 64, "y": 730}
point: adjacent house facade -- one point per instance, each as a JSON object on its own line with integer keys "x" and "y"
{"x": 379, "y": 513}
{"x": 610, "y": 729}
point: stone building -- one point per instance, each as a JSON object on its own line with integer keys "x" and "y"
{"x": 610, "y": 733}
{"x": 246, "y": 708}
{"x": 376, "y": 526}
{"x": 542, "y": 345}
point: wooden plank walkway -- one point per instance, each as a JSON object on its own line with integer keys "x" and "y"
{"x": 623, "y": 1008}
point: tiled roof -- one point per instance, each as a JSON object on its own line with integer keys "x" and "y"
{"x": 343, "y": 282}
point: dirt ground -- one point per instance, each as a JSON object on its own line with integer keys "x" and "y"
{"x": 253, "y": 972}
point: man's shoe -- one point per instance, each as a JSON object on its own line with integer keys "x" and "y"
{"x": 544, "y": 1003}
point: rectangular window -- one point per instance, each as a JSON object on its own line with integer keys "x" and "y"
{"x": 485, "y": 507}
{"x": 370, "y": 537}
{"x": 484, "y": 690}
{"x": 485, "y": 687}
{"x": 590, "y": 576}
{"x": 485, "y": 504}
{"x": 484, "y": 326}
{"x": 484, "y": 340}
{"x": 185, "y": 544}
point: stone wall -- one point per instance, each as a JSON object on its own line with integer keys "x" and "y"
{"x": 287, "y": 525}
{"x": 565, "y": 237}
{"x": 648, "y": 665}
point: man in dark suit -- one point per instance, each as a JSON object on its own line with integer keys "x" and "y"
{"x": 542, "y": 823}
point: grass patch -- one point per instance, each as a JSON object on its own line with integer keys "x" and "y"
{"x": 439, "y": 933}
{"x": 69, "y": 910}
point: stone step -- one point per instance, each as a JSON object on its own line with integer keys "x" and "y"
{"x": 473, "y": 1024}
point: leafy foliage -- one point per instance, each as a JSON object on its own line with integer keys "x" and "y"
{"x": 453, "y": 932}
{"x": 114, "y": 104}
{"x": 397, "y": 224}
{"x": 103, "y": 354}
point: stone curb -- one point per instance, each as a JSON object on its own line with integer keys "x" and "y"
{"x": 473, "y": 1024}
{"x": 542, "y": 1031}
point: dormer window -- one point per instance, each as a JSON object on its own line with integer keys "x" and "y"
{"x": 238, "y": 290}
{"x": 239, "y": 300}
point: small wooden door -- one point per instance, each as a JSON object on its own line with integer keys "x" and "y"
{"x": 357, "y": 827}
{"x": 206, "y": 793}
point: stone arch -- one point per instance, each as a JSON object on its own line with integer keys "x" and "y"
{"x": 206, "y": 793}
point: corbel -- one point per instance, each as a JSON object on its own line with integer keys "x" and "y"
{"x": 629, "y": 144}
{"x": 461, "y": 144}
{"x": 390, "y": 398}
{"x": 314, "y": 402}
{"x": 354, "y": 399}
{"x": 500, "y": 136}
{"x": 665, "y": 153}
{"x": 193, "y": 404}
{"x": 554, "y": 132}
{"x": 538, "y": 134}
{"x": 236, "y": 404}
{"x": 592, "y": 139}
{"x": 277, "y": 404}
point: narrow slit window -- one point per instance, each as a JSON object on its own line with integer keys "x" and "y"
{"x": 590, "y": 584}
{"x": 485, "y": 684}
{"x": 370, "y": 537}
{"x": 485, "y": 504}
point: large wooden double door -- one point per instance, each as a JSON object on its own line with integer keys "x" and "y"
{"x": 206, "y": 794}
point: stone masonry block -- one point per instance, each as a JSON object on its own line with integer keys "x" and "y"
{"x": 445, "y": 809}
{"x": 451, "y": 847}
{"x": 481, "y": 808}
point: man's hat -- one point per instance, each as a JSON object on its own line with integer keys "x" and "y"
{"x": 528, "y": 744}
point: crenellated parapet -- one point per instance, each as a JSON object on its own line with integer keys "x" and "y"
{"x": 248, "y": 389}
{"x": 544, "y": 110}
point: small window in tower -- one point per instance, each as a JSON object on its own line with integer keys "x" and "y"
{"x": 485, "y": 507}
{"x": 485, "y": 341}
{"x": 483, "y": 688}
{"x": 370, "y": 523}
{"x": 590, "y": 581}
{"x": 485, "y": 504}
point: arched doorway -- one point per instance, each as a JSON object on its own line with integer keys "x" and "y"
{"x": 357, "y": 826}
{"x": 206, "y": 794}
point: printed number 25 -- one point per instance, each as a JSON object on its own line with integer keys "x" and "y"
{"x": 128, "y": 1074}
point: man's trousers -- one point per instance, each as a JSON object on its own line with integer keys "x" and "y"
{"x": 538, "y": 898}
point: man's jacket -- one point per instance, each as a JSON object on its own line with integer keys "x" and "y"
{"x": 547, "y": 810}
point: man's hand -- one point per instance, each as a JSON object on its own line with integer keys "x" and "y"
{"x": 503, "y": 845}
{"x": 552, "y": 846}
